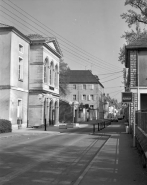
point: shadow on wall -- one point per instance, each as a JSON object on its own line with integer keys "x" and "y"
{"x": 65, "y": 112}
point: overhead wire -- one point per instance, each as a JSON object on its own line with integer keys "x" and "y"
{"x": 108, "y": 76}
{"x": 112, "y": 79}
{"x": 85, "y": 52}
{"x": 116, "y": 94}
{"x": 113, "y": 87}
{"x": 66, "y": 56}
{"x": 47, "y": 35}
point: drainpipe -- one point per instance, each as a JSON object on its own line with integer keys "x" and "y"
{"x": 28, "y": 85}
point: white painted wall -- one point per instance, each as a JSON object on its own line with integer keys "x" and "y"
{"x": 11, "y": 89}
{"x": 5, "y": 49}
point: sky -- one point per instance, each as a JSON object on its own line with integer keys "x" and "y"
{"x": 88, "y": 31}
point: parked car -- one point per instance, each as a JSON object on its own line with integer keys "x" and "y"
{"x": 115, "y": 119}
{"x": 120, "y": 117}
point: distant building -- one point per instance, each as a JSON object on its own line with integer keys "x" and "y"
{"x": 86, "y": 90}
{"x": 29, "y": 67}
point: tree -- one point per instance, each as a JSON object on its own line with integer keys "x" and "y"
{"x": 134, "y": 18}
{"x": 63, "y": 79}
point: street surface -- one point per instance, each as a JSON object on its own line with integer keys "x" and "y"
{"x": 75, "y": 156}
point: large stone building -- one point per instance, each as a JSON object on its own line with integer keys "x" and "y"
{"x": 45, "y": 57}
{"x": 29, "y": 78}
{"x": 14, "y": 86}
{"x": 86, "y": 91}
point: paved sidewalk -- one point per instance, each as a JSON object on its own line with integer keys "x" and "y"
{"x": 117, "y": 162}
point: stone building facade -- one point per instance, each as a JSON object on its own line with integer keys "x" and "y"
{"x": 29, "y": 67}
{"x": 86, "y": 91}
{"x": 45, "y": 56}
{"x": 14, "y": 53}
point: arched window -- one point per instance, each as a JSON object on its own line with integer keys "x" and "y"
{"x": 46, "y": 63}
{"x": 56, "y": 76}
{"x": 51, "y": 72}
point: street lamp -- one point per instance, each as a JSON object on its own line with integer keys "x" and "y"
{"x": 43, "y": 98}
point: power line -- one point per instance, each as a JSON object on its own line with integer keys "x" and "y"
{"x": 85, "y": 52}
{"x": 112, "y": 79}
{"x": 114, "y": 91}
{"x": 69, "y": 57}
{"x": 113, "y": 87}
{"x": 115, "y": 94}
{"x": 109, "y": 76}
{"x": 111, "y": 73}
{"x": 47, "y": 35}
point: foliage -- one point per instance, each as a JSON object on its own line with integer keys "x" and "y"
{"x": 133, "y": 18}
{"x": 63, "y": 80}
{"x": 5, "y": 126}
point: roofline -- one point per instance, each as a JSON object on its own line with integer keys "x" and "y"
{"x": 136, "y": 47}
{"x": 101, "y": 84}
{"x": 53, "y": 50}
{"x": 44, "y": 42}
{"x": 16, "y": 31}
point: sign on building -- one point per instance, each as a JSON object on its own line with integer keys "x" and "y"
{"x": 127, "y": 97}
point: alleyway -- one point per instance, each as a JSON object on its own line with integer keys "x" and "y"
{"x": 75, "y": 156}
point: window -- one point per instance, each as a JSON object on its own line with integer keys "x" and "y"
{"x": 84, "y": 97}
{"x": 56, "y": 76}
{"x": 20, "y": 48}
{"x": 91, "y": 86}
{"x": 84, "y": 86}
{"x": 74, "y": 86}
{"x": 74, "y": 97}
{"x": 19, "y": 109}
{"x": 91, "y": 97}
{"x": 45, "y": 73}
{"x": 20, "y": 69}
{"x": 51, "y": 73}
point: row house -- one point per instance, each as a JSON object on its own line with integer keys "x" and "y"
{"x": 29, "y": 78}
{"x": 86, "y": 91}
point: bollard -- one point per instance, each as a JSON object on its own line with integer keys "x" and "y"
{"x": 98, "y": 126}
{"x": 45, "y": 124}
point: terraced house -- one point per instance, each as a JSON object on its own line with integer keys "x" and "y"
{"x": 29, "y": 78}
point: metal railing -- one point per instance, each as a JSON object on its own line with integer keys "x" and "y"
{"x": 141, "y": 119}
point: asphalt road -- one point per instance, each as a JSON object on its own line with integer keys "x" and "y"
{"x": 58, "y": 158}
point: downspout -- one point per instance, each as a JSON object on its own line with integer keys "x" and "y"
{"x": 28, "y": 85}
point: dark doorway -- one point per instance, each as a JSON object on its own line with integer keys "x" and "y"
{"x": 143, "y": 101}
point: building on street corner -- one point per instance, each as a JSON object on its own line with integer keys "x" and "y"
{"x": 14, "y": 73}
{"x": 29, "y": 78}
